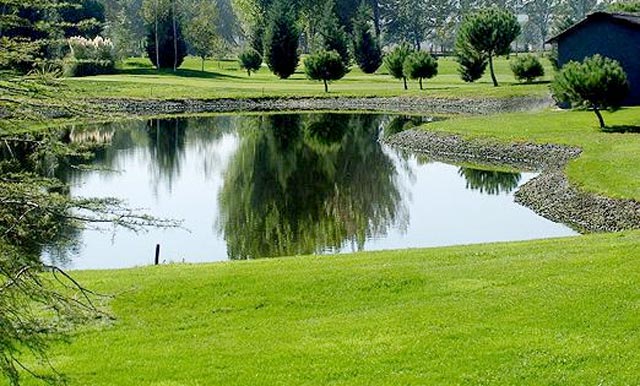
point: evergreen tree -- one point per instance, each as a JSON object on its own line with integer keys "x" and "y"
{"x": 488, "y": 33}
{"x": 325, "y": 66}
{"x": 394, "y": 61}
{"x": 420, "y": 65}
{"x": 331, "y": 34}
{"x": 527, "y": 68}
{"x": 366, "y": 48}
{"x": 472, "y": 64}
{"x": 250, "y": 60}
{"x": 170, "y": 53}
{"x": 597, "y": 83}
{"x": 281, "y": 40}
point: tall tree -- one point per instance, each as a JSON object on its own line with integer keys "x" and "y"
{"x": 281, "y": 39}
{"x": 331, "y": 35}
{"x": 490, "y": 33}
{"x": 366, "y": 47}
{"x": 541, "y": 14}
{"x": 201, "y": 31}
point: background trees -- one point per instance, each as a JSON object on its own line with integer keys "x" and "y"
{"x": 281, "y": 40}
{"x": 201, "y": 31}
{"x": 366, "y": 47}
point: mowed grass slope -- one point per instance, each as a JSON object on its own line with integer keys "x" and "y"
{"x": 226, "y": 80}
{"x": 563, "y": 312}
{"x": 610, "y": 161}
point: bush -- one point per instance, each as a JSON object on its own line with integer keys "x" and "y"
{"x": 420, "y": 65}
{"x": 394, "y": 61}
{"x": 527, "y": 68}
{"x": 597, "y": 83}
{"x": 250, "y": 60}
{"x": 472, "y": 65}
{"x": 88, "y": 67}
{"x": 325, "y": 66}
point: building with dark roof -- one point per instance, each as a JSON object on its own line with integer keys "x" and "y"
{"x": 614, "y": 35}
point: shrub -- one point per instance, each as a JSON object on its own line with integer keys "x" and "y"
{"x": 89, "y": 57}
{"x": 250, "y": 60}
{"x": 325, "y": 66}
{"x": 527, "y": 68}
{"x": 597, "y": 83}
{"x": 420, "y": 65}
{"x": 166, "y": 52}
{"x": 472, "y": 65}
{"x": 88, "y": 67}
{"x": 394, "y": 61}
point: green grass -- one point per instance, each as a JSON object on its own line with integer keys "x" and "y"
{"x": 609, "y": 163}
{"x": 226, "y": 80}
{"x": 552, "y": 312}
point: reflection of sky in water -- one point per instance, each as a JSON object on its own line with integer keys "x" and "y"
{"x": 438, "y": 207}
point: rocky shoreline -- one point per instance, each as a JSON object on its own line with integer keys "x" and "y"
{"x": 550, "y": 194}
{"x": 148, "y": 107}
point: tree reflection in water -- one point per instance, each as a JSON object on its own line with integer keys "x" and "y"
{"x": 490, "y": 181}
{"x": 301, "y": 184}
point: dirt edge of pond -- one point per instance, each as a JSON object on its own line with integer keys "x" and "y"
{"x": 475, "y": 106}
{"x": 550, "y": 194}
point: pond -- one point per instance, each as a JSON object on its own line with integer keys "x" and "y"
{"x": 254, "y": 186}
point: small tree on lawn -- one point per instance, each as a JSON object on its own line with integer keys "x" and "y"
{"x": 472, "y": 64}
{"x": 250, "y": 60}
{"x": 366, "y": 48}
{"x": 394, "y": 61}
{"x": 325, "y": 66}
{"x": 597, "y": 83}
{"x": 420, "y": 65}
{"x": 281, "y": 40}
{"x": 527, "y": 68}
{"x": 201, "y": 31}
{"x": 489, "y": 33}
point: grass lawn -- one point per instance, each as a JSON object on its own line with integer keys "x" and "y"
{"x": 552, "y": 312}
{"x": 609, "y": 163}
{"x": 226, "y": 80}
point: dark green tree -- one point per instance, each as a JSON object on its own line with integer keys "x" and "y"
{"x": 325, "y": 66}
{"x": 331, "y": 35}
{"x": 394, "y": 62}
{"x": 597, "y": 83}
{"x": 420, "y": 65}
{"x": 527, "y": 68}
{"x": 281, "y": 39}
{"x": 472, "y": 65}
{"x": 166, "y": 53}
{"x": 632, "y": 6}
{"x": 250, "y": 60}
{"x": 366, "y": 48}
{"x": 487, "y": 33}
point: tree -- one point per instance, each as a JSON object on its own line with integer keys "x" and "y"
{"x": 420, "y": 65}
{"x": 201, "y": 32}
{"x": 250, "y": 60}
{"x": 331, "y": 34}
{"x": 325, "y": 66}
{"x": 472, "y": 64}
{"x": 489, "y": 33}
{"x": 632, "y": 6}
{"x": 166, "y": 48}
{"x": 527, "y": 68}
{"x": 281, "y": 40}
{"x": 366, "y": 48}
{"x": 541, "y": 13}
{"x": 394, "y": 61}
{"x": 597, "y": 83}
{"x": 406, "y": 21}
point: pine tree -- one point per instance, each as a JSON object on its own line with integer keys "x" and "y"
{"x": 331, "y": 34}
{"x": 171, "y": 53}
{"x": 420, "y": 65}
{"x": 325, "y": 66}
{"x": 366, "y": 49}
{"x": 394, "y": 61}
{"x": 281, "y": 40}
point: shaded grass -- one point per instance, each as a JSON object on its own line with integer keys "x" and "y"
{"x": 561, "y": 311}
{"x": 609, "y": 163}
{"x": 138, "y": 79}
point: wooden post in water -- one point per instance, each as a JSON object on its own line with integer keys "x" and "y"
{"x": 157, "y": 260}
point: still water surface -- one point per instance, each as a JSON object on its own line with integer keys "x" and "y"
{"x": 253, "y": 186}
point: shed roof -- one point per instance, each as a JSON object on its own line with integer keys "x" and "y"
{"x": 630, "y": 19}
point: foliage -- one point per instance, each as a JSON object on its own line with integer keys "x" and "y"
{"x": 487, "y": 33}
{"x": 366, "y": 48}
{"x": 394, "y": 62}
{"x": 407, "y": 21}
{"x": 250, "y": 60}
{"x": 490, "y": 182}
{"x": 91, "y": 49}
{"x": 420, "y": 65}
{"x": 632, "y": 6}
{"x": 325, "y": 66}
{"x": 472, "y": 65}
{"x": 83, "y": 67}
{"x": 201, "y": 32}
{"x": 84, "y": 18}
{"x": 281, "y": 40}
{"x": 527, "y": 68}
{"x": 166, "y": 53}
{"x": 331, "y": 34}
{"x": 597, "y": 83}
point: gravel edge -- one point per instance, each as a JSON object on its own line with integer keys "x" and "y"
{"x": 550, "y": 194}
